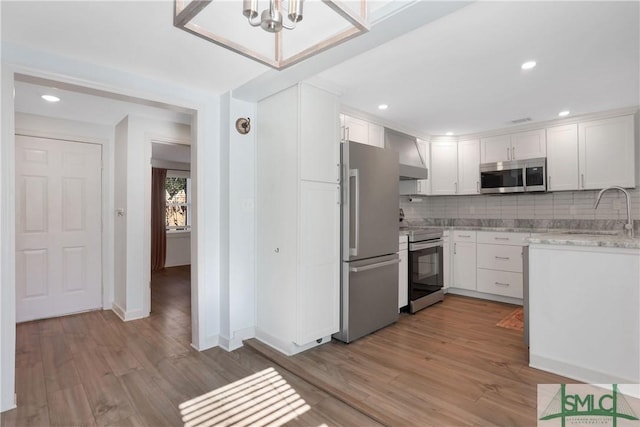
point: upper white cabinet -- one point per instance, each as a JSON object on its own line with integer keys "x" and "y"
{"x": 516, "y": 146}
{"x": 298, "y": 219}
{"x": 468, "y": 166}
{"x": 444, "y": 167}
{"x": 362, "y": 131}
{"x": 528, "y": 145}
{"x": 562, "y": 158}
{"x": 606, "y": 152}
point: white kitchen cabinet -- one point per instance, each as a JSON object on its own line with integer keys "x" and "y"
{"x": 528, "y": 145}
{"x": 516, "y": 146}
{"x": 403, "y": 272}
{"x": 495, "y": 149}
{"x": 562, "y": 158}
{"x": 446, "y": 259}
{"x": 298, "y": 219}
{"x": 468, "y": 166}
{"x": 444, "y": 167}
{"x": 606, "y": 152}
{"x": 419, "y": 187}
{"x": 499, "y": 263}
{"x": 362, "y": 131}
{"x": 464, "y": 260}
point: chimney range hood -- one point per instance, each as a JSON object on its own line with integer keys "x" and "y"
{"x": 412, "y": 162}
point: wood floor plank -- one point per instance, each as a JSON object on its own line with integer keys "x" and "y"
{"x": 153, "y": 408}
{"x": 59, "y": 368}
{"x": 70, "y": 407}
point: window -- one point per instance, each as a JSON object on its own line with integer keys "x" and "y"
{"x": 178, "y": 196}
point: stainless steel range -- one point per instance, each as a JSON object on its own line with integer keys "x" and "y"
{"x": 425, "y": 268}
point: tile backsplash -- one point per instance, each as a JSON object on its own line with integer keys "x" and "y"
{"x": 575, "y": 205}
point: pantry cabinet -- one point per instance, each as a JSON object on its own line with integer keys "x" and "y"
{"x": 606, "y": 150}
{"x": 298, "y": 218}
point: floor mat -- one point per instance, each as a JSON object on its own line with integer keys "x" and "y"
{"x": 514, "y": 320}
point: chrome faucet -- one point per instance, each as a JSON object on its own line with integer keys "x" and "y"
{"x": 629, "y": 225}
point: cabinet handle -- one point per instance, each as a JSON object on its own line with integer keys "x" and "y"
{"x": 582, "y": 178}
{"x": 456, "y": 186}
{"x": 339, "y": 195}
{"x": 464, "y": 235}
{"x": 549, "y": 182}
{"x": 478, "y": 187}
{"x": 419, "y": 185}
{"x": 508, "y": 156}
{"x": 500, "y": 238}
{"x": 501, "y": 284}
{"x": 455, "y": 247}
{"x": 346, "y": 133}
{"x": 513, "y": 153}
{"x": 276, "y": 250}
{"x": 506, "y": 258}
{"x": 338, "y": 166}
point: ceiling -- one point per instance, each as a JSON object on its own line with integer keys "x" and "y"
{"x": 454, "y": 68}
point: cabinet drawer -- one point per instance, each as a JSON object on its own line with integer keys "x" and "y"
{"x": 500, "y": 257}
{"x": 502, "y": 238}
{"x": 500, "y": 283}
{"x": 464, "y": 236}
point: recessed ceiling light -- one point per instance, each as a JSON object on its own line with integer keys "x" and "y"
{"x": 50, "y": 98}
{"x": 449, "y": 133}
{"x": 528, "y": 65}
{"x": 383, "y": 107}
{"x": 564, "y": 113}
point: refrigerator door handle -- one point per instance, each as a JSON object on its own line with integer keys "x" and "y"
{"x": 373, "y": 266}
{"x": 356, "y": 176}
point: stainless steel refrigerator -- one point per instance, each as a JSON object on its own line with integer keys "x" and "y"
{"x": 369, "y": 232}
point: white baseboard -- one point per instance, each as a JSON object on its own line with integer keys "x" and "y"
{"x": 236, "y": 341}
{"x": 126, "y": 316}
{"x": 578, "y": 373}
{"x": 284, "y": 347}
{"x": 207, "y": 343}
{"x": 482, "y": 295}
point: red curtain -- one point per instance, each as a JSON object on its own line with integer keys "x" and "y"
{"x": 158, "y": 213}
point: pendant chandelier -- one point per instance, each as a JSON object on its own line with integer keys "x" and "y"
{"x": 326, "y": 24}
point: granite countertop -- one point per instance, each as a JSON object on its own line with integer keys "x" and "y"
{"x": 571, "y": 233}
{"x": 592, "y": 239}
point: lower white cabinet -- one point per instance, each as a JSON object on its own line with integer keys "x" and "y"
{"x": 464, "y": 260}
{"x": 446, "y": 259}
{"x": 500, "y": 263}
{"x": 403, "y": 272}
{"x": 503, "y": 283}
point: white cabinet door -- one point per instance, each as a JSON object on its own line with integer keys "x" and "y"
{"x": 469, "y": 166}
{"x": 446, "y": 260}
{"x": 356, "y": 130}
{"x": 376, "y": 135}
{"x": 319, "y": 134}
{"x": 318, "y": 308}
{"x": 528, "y": 145}
{"x": 562, "y": 158}
{"x": 495, "y": 149}
{"x": 403, "y": 279}
{"x": 464, "y": 265}
{"x": 444, "y": 167}
{"x": 607, "y": 153}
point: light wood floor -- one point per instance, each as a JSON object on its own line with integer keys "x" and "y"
{"x": 448, "y": 365}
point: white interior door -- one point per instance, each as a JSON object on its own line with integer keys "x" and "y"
{"x": 58, "y": 227}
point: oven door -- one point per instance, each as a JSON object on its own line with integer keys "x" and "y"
{"x": 425, "y": 268}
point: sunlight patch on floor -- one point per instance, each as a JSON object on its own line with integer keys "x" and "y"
{"x": 262, "y": 399}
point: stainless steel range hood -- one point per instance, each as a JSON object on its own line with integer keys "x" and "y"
{"x": 412, "y": 162}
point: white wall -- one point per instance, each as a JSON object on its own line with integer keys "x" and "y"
{"x": 133, "y": 195}
{"x": 205, "y": 246}
{"x": 238, "y": 292}
{"x": 178, "y": 249}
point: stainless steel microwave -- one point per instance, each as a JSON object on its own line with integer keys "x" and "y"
{"x": 518, "y": 176}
